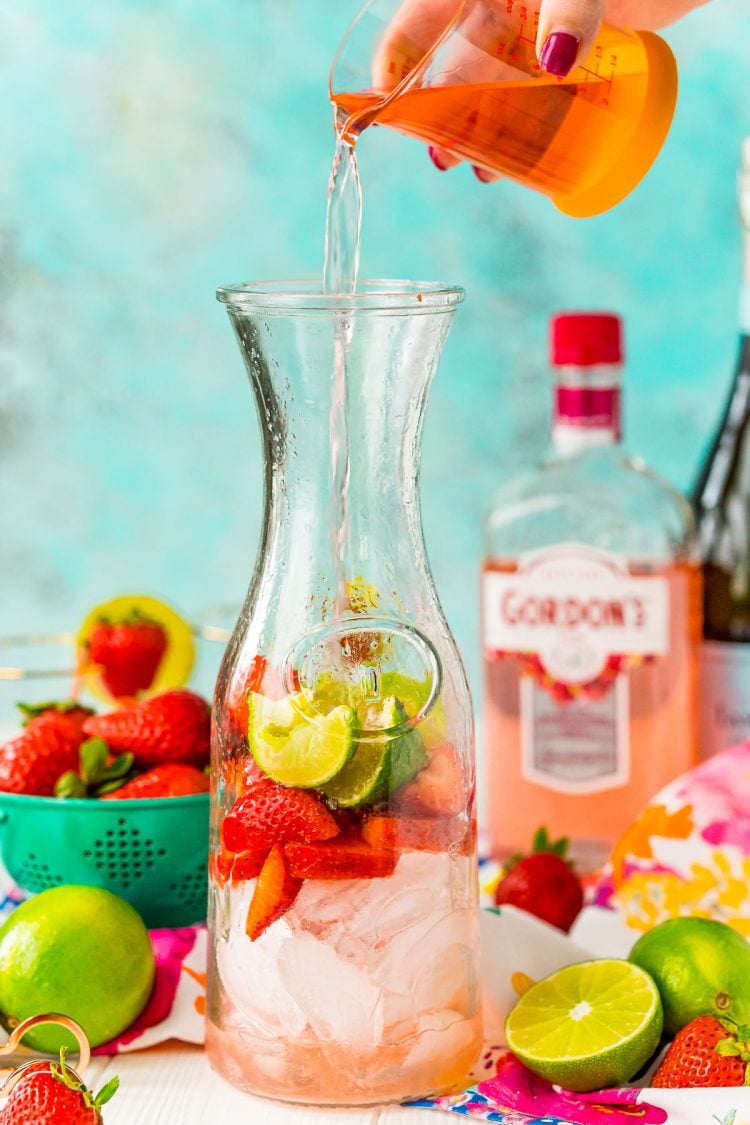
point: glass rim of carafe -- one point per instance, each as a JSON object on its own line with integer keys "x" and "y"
{"x": 378, "y": 295}
{"x": 414, "y": 73}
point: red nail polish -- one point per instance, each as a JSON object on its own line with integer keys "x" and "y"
{"x": 483, "y": 176}
{"x": 436, "y": 159}
{"x": 559, "y": 53}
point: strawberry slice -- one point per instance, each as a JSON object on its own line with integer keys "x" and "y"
{"x": 220, "y": 866}
{"x": 270, "y": 814}
{"x": 225, "y": 866}
{"x": 252, "y": 681}
{"x": 274, "y": 893}
{"x": 439, "y": 789}
{"x": 422, "y": 834}
{"x": 347, "y": 859}
{"x": 247, "y": 865}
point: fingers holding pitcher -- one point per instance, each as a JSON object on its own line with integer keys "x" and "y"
{"x": 566, "y": 33}
{"x": 414, "y": 30}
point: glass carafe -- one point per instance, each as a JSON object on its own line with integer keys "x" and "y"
{"x": 343, "y": 913}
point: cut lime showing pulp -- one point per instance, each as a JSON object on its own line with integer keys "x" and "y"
{"x": 587, "y": 1026}
{"x": 363, "y": 778}
{"x": 380, "y": 765}
{"x": 294, "y": 751}
{"x": 407, "y": 752}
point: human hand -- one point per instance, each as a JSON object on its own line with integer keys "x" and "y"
{"x": 566, "y": 33}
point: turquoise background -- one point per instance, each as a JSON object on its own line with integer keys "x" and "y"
{"x": 154, "y": 148}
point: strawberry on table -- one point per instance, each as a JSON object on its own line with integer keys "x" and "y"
{"x": 708, "y": 1052}
{"x": 171, "y": 780}
{"x": 172, "y": 727}
{"x": 543, "y": 883}
{"x": 51, "y": 1094}
{"x": 48, "y": 746}
{"x": 274, "y": 893}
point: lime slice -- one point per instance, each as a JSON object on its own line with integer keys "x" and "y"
{"x": 413, "y": 694}
{"x": 407, "y": 752}
{"x": 294, "y": 751}
{"x": 379, "y": 766}
{"x": 364, "y": 777}
{"x": 587, "y": 1026}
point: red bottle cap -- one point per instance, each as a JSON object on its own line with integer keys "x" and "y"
{"x": 585, "y": 339}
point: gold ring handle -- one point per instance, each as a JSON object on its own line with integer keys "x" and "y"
{"x": 14, "y": 1042}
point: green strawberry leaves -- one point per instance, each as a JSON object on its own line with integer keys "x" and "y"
{"x": 107, "y": 1092}
{"x": 70, "y": 1079}
{"x": 63, "y": 707}
{"x": 97, "y": 775}
{"x": 541, "y": 843}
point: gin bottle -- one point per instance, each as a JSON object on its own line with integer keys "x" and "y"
{"x": 590, "y": 619}
{"x": 722, "y": 504}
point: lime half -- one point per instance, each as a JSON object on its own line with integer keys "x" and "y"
{"x": 407, "y": 752}
{"x": 294, "y": 750}
{"x": 587, "y": 1026}
{"x": 364, "y": 777}
{"x": 380, "y": 765}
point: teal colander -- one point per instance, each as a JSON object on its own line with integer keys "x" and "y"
{"x": 153, "y": 852}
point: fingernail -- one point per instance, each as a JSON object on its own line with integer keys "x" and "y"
{"x": 483, "y": 175}
{"x": 437, "y": 159}
{"x": 559, "y": 53}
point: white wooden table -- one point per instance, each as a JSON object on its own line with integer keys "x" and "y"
{"x": 174, "y": 1085}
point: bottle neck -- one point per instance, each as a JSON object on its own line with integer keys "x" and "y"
{"x": 586, "y": 411}
{"x": 744, "y": 309}
{"x": 744, "y": 199}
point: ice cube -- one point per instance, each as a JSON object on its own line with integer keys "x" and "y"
{"x": 355, "y": 915}
{"x": 250, "y": 973}
{"x": 338, "y": 999}
{"x": 442, "y": 1038}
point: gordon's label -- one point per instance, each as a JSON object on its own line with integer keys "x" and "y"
{"x": 574, "y": 607}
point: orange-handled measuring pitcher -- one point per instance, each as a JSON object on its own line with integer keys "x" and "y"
{"x": 463, "y": 74}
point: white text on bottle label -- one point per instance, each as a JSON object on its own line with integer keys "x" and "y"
{"x": 574, "y": 607}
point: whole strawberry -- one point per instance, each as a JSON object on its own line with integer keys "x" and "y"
{"x": 543, "y": 883}
{"x": 172, "y": 727}
{"x": 708, "y": 1052}
{"x": 170, "y": 780}
{"x": 127, "y": 653}
{"x": 48, "y": 746}
{"x": 51, "y": 1094}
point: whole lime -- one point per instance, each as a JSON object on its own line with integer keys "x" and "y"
{"x": 701, "y": 968}
{"x": 79, "y": 951}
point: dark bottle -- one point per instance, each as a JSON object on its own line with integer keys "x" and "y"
{"x": 722, "y": 503}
